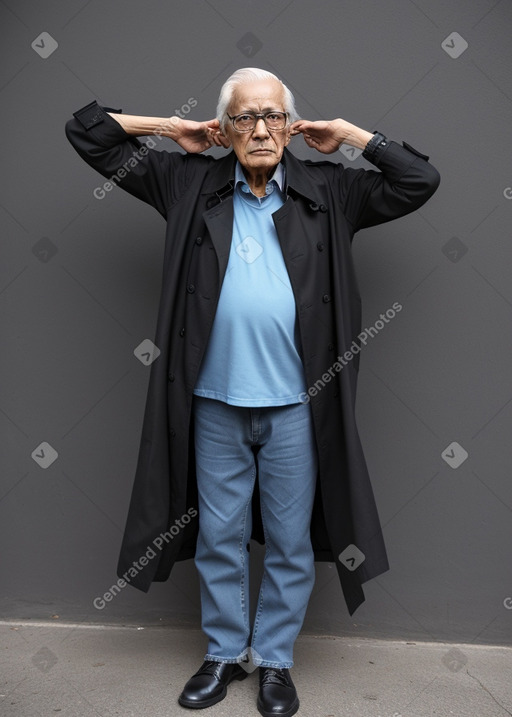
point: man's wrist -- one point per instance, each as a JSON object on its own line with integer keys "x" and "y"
{"x": 164, "y": 127}
{"x": 352, "y": 135}
{"x": 358, "y": 138}
{"x": 169, "y": 127}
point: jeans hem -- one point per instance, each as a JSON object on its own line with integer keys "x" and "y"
{"x": 276, "y": 665}
{"x": 227, "y": 660}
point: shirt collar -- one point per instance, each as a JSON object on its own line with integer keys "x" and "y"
{"x": 278, "y": 177}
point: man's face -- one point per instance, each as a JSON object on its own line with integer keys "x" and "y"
{"x": 259, "y": 149}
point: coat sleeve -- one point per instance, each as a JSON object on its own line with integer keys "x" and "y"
{"x": 157, "y": 177}
{"x": 406, "y": 180}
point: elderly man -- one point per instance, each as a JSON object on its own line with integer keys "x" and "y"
{"x": 249, "y": 420}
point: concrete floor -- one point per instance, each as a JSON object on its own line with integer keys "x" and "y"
{"x": 74, "y": 670}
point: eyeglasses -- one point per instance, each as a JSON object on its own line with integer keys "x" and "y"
{"x": 247, "y": 121}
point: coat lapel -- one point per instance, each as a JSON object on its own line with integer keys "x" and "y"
{"x": 219, "y": 222}
{"x": 299, "y": 179}
{"x": 217, "y": 190}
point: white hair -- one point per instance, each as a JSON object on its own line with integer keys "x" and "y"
{"x": 246, "y": 75}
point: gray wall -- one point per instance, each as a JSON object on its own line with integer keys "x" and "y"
{"x": 79, "y": 285}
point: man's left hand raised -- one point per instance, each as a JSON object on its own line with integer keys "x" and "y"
{"x": 326, "y": 136}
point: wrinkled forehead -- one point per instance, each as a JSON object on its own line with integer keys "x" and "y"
{"x": 259, "y": 95}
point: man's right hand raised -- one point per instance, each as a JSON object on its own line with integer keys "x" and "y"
{"x": 198, "y": 136}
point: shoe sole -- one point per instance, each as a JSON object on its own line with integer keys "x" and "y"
{"x": 213, "y": 700}
{"x": 293, "y": 709}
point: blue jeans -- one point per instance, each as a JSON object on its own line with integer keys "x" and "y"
{"x": 229, "y": 442}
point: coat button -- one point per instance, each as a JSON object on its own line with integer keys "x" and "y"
{"x": 314, "y": 207}
{"x": 326, "y": 298}
{"x": 172, "y": 433}
{"x": 322, "y": 208}
{"x": 171, "y": 377}
{"x": 331, "y": 347}
{"x": 191, "y": 288}
{"x": 182, "y": 332}
{"x": 199, "y": 241}
{"x": 320, "y": 246}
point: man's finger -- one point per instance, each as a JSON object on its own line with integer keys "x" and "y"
{"x": 212, "y": 124}
{"x": 299, "y": 125}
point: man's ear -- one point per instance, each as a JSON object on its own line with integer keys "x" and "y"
{"x": 226, "y": 142}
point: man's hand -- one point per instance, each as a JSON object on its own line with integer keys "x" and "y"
{"x": 326, "y": 136}
{"x": 198, "y": 136}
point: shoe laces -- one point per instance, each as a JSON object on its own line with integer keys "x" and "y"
{"x": 275, "y": 676}
{"x": 210, "y": 668}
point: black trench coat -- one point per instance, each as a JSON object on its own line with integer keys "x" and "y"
{"x": 326, "y": 204}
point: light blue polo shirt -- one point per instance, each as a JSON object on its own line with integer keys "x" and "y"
{"x": 252, "y": 357}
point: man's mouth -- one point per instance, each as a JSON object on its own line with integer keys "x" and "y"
{"x": 261, "y": 151}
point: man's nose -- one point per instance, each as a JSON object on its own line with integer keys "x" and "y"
{"x": 260, "y": 129}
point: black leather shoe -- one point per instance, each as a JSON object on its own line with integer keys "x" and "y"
{"x": 277, "y": 696}
{"x": 209, "y": 684}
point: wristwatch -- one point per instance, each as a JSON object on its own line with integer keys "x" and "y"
{"x": 375, "y": 147}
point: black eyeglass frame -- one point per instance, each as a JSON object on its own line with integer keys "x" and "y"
{"x": 257, "y": 116}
